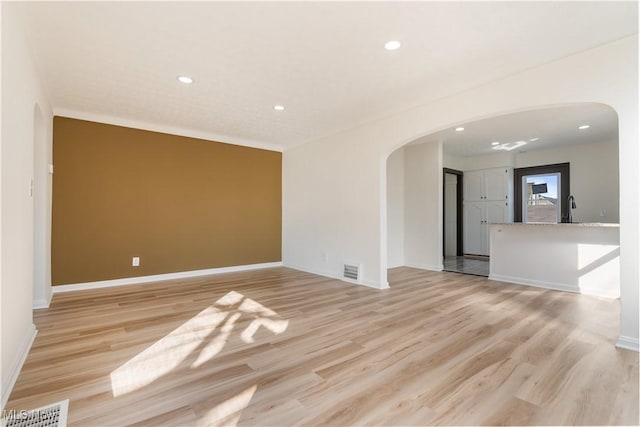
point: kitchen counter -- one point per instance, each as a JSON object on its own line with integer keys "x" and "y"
{"x": 576, "y": 257}
{"x": 561, "y": 224}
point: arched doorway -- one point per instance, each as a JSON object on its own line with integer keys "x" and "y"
{"x": 415, "y": 230}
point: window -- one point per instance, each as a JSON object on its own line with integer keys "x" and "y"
{"x": 541, "y": 203}
{"x": 541, "y": 193}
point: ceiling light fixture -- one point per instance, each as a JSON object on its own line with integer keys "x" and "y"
{"x": 459, "y": 129}
{"x": 583, "y": 127}
{"x": 278, "y": 107}
{"x": 508, "y": 146}
{"x": 534, "y": 139}
{"x": 185, "y": 79}
{"x": 392, "y": 45}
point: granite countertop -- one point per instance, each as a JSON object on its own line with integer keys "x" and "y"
{"x": 563, "y": 224}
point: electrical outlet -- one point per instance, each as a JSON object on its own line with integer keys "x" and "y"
{"x": 324, "y": 257}
{"x": 135, "y": 261}
{"x": 603, "y": 212}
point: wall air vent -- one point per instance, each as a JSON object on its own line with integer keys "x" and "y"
{"x": 54, "y": 415}
{"x": 352, "y": 272}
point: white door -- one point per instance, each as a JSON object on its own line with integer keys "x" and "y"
{"x": 473, "y": 222}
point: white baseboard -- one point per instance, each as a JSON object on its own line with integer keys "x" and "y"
{"x": 390, "y": 266}
{"x": 381, "y": 285}
{"x": 311, "y": 270}
{"x": 367, "y": 283}
{"x": 628, "y": 343}
{"x": 555, "y": 286}
{"x": 426, "y": 267}
{"x": 17, "y": 366}
{"x": 42, "y": 303}
{"x": 159, "y": 277}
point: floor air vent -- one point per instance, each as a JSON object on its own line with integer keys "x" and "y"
{"x": 352, "y": 272}
{"x": 54, "y": 415}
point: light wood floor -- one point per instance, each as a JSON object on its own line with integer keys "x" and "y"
{"x": 281, "y": 347}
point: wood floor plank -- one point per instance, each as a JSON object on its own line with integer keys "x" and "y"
{"x": 284, "y": 347}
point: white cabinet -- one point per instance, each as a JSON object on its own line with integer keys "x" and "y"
{"x": 477, "y": 217}
{"x": 497, "y": 212}
{"x": 497, "y": 183}
{"x": 488, "y": 184}
{"x": 473, "y": 186}
{"x": 488, "y": 196}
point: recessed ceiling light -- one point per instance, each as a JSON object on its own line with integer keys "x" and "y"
{"x": 392, "y": 45}
{"x": 534, "y": 139}
{"x": 583, "y": 127}
{"x": 459, "y": 129}
{"x": 278, "y": 107}
{"x": 185, "y": 79}
{"x": 495, "y": 143}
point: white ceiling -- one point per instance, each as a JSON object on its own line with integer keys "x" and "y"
{"x": 324, "y": 61}
{"x": 553, "y": 126}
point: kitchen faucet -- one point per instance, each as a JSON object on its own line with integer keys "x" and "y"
{"x": 571, "y": 202}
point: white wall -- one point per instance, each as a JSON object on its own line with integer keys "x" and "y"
{"x": 21, "y": 91}
{"x": 452, "y": 161}
{"x": 395, "y": 209}
{"x": 489, "y": 161}
{"x": 332, "y": 210}
{"x": 315, "y": 174}
{"x": 594, "y": 177}
{"x": 423, "y": 205}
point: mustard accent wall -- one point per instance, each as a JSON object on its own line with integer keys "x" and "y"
{"x": 178, "y": 203}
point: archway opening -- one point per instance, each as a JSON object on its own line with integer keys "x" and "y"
{"x": 417, "y": 232}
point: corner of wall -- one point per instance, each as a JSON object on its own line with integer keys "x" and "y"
{"x": 22, "y": 91}
{"x": 16, "y": 366}
{"x": 45, "y": 302}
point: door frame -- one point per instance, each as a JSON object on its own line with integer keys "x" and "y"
{"x": 564, "y": 169}
{"x": 459, "y": 207}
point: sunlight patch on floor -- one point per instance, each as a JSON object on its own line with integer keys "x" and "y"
{"x": 228, "y": 412}
{"x": 599, "y": 268}
{"x": 275, "y": 326}
{"x": 215, "y": 346}
{"x": 169, "y": 352}
{"x": 166, "y": 354}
